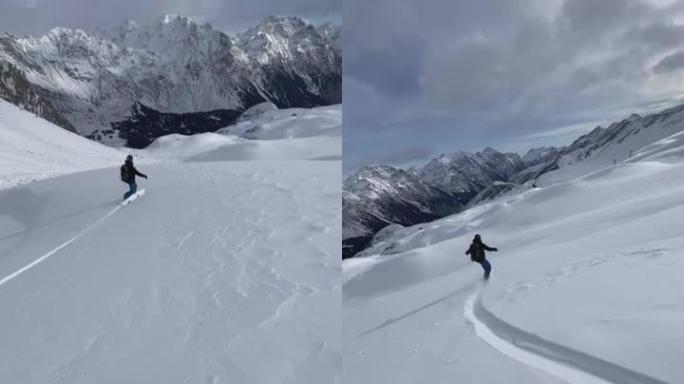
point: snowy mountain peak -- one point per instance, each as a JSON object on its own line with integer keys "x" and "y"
{"x": 178, "y": 19}
{"x": 53, "y": 50}
{"x": 384, "y": 181}
{"x": 59, "y": 32}
{"x": 461, "y": 171}
{"x": 278, "y": 37}
{"x": 174, "y": 66}
{"x": 535, "y": 155}
{"x": 64, "y": 36}
{"x": 126, "y": 27}
{"x": 329, "y": 28}
{"x": 283, "y": 25}
{"x": 172, "y": 34}
{"x": 634, "y": 117}
{"x": 489, "y": 151}
{"x": 366, "y": 174}
{"x": 332, "y": 33}
{"x": 450, "y": 158}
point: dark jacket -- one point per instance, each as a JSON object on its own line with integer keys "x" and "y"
{"x": 128, "y": 172}
{"x": 477, "y": 251}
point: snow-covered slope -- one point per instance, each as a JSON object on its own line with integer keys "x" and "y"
{"x": 32, "y": 149}
{"x": 263, "y": 133}
{"x": 265, "y": 121}
{"x": 210, "y": 276}
{"x": 586, "y": 285}
{"x": 216, "y": 147}
{"x": 537, "y": 155}
{"x": 472, "y": 179}
{"x": 99, "y": 81}
{"x": 607, "y": 146}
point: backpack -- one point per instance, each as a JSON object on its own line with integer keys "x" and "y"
{"x": 477, "y": 252}
{"x": 125, "y": 174}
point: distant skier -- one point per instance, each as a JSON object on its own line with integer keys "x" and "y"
{"x": 477, "y": 254}
{"x": 128, "y": 173}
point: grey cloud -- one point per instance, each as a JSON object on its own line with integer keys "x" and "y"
{"x": 590, "y": 16}
{"x": 657, "y": 34}
{"x": 244, "y": 13}
{"x": 38, "y": 16}
{"x": 394, "y": 68}
{"x": 405, "y": 155}
{"x": 499, "y": 67}
{"x": 670, "y": 63}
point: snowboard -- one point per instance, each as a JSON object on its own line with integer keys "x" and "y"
{"x": 133, "y": 197}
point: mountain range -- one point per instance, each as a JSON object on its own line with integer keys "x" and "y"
{"x": 377, "y": 196}
{"x": 134, "y": 83}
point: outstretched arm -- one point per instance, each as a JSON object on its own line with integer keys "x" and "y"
{"x": 468, "y": 251}
{"x": 139, "y": 173}
{"x": 488, "y": 248}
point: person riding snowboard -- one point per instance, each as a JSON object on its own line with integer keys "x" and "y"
{"x": 128, "y": 173}
{"x": 477, "y": 254}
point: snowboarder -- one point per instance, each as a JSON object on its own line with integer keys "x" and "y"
{"x": 477, "y": 254}
{"x": 128, "y": 173}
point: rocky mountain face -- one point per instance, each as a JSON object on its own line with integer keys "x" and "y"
{"x": 603, "y": 147}
{"x": 377, "y": 196}
{"x": 100, "y": 82}
{"x": 16, "y": 89}
{"x": 466, "y": 174}
{"x": 492, "y": 191}
{"x": 462, "y": 180}
{"x": 147, "y": 124}
{"x": 538, "y": 155}
{"x": 538, "y": 161}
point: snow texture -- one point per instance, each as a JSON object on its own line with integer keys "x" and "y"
{"x": 224, "y": 272}
{"x": 263, "y": 134}
{"x": 586, "y": 286}
{"x": 33, "y": 149}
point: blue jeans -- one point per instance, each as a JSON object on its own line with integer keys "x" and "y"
{"x": 487, "y": 268}
{"x": 132, "y": 188}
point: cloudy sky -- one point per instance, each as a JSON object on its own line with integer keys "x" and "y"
{"x": 424, "y": 77}
{"x": 35, "y": 17}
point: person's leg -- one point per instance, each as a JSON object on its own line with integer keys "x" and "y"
{"x": 132, "y": 187}
{"x": 487, "y": 268}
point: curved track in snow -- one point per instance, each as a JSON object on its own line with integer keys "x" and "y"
{"x": 44, "y": 257}
{"x": 558, "y": 360}
{"x": 65, "y": 244}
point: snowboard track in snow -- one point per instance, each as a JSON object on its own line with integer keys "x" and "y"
{"x": 558, "y": 360}
{"x": 431, "y": 304}
{"x": 65, "y": 244}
